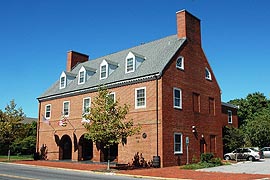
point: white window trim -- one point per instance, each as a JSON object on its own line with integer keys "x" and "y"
{"x": 180, "y": 105}
{"x": 210, "y": 75}
{"x": 68, "y": 108}
{"x": 63, "y": 75}
{"x": 136, "y": 106}
{"x": 104, "y": 63}
{"x": 130, "y": 56}
{"x": 83, "y": 110}
{"x": 180, "y": 67}
{"x": 84, "y": 76}
{"x": 174, "y": 144}
{"x": 133, "y": 64}
{"x": 47, "y": 111}
{"x": 230, "y": 120}
{"x": 114, "y": 96}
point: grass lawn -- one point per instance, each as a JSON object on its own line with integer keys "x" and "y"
{"x": 15, "y": 158}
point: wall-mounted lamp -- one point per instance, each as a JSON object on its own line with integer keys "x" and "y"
{"x": 193, "y": 129}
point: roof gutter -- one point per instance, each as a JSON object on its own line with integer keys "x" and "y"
{"x": 95, "y": 88}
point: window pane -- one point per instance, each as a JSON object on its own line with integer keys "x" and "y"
{"x": 103, "y": 71}
{"x": 129, "y": 64}
{"x": 62, "y": 81}
{"x": 140, "y": 97}
{"x": 86, "y": 105}
{"x": 177, "y": 98}
{"x": 180, "y": 63}
{"x": 48, "y": 111}
{"x": 81, "y": 77}
{"x": 66, "y": 108}
{"x": 178, "y": 143}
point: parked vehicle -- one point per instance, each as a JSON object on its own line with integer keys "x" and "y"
{"x": 249, "y": 154}
{"x": 266, "y": 152}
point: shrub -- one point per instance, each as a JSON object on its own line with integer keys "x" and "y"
{"x": 139, "y": 162}
{"x": 206, "y": 157}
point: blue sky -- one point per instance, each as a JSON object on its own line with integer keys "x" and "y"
{"x": 35, "y": 36}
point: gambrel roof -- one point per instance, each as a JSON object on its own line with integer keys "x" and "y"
{"x": 157, "y": 55}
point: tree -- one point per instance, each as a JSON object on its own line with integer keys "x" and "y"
{"x": 233, "y": 138}
{"x": 258, "y": 129}
{"x": 108, "y": 124}
{"x": 254, "y": 119}
{"x": 249, "y": 106}
{"x": 11, "y": 127}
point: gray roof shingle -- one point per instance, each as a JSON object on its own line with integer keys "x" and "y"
{"x": 157, "y": 55}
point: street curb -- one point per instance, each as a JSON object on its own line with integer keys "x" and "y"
{"x": 96, "y": 172}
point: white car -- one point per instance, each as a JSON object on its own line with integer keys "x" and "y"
{"x": 266, "y": 152}
{"x": 249, "y": 154}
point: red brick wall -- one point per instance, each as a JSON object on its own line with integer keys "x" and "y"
{"x": 190, "y": 80}
{"x": 225, "y": 116}
{"x": 126, "y": 94}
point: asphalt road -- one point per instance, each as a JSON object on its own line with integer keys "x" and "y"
{"x": 12, "y": 171}
{"x": 247, "y": 167}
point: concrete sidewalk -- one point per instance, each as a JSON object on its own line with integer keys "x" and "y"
{"x": 158, "y": 173}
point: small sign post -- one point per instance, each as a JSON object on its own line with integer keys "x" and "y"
{"x": 187, "y": 142}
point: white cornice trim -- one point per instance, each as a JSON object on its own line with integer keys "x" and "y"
{"x": 94, "y": 88}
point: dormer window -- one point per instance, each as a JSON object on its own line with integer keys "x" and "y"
{"x": 133, "y": 61}
{"x": 63, "y": 80}
{"x": 103, "y": 72}
{"x": 208, "y": 74}
{"x": 130, "y": 65}
{"x": 106, "y": 68}
{"x": 82, "y": 76}
{"x": 180, "y": 63}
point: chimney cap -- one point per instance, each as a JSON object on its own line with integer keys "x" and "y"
{"x": 76, "y": 52}
{"x": 184, "y": 10}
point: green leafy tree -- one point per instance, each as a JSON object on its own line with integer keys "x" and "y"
{"x": 25, "y": 143}
{"x": 108, "y": 124}
{"x": 10, "y": 125}
{"x": 233, "y": 138}
{"x": 249, "y": 106}
{"x": 258, "y": 129}
{"x": 254, "y": 119}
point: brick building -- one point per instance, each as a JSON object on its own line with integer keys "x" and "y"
{"x": 171, "y": 90}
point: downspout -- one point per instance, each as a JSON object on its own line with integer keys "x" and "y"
{"x": 38, "y": 126}
{"x": 156, "y": 159}
{"x": 157, "y": 109}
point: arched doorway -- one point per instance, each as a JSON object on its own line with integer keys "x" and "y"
{"x": 65, "y": 148}
{"x": 111, "y": 153}
{"x": 85, "y": 149}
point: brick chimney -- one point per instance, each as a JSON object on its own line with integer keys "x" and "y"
{"x": 188, "y": 26}
{"x": 73, "y": 58}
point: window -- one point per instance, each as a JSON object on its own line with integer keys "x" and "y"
{"x": 81, "y": 76}
{"x": 180, "y": 63}
{"x": 48, "y": 111}
{"x": 86, "y": 105}
{"x": 208, "y": 74}
{"x": 66, "y": 108}
{"x": 62, "y": 82}
{"x": 140, "y": 97}
{"x": 178, "y": 145}
{"x": 177, "y": 98}
{"x": 112, "y": 95}
{"x": 230, "y": 116}
{"x": 103, "y": 72}
{"x": 130, "y": 65}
